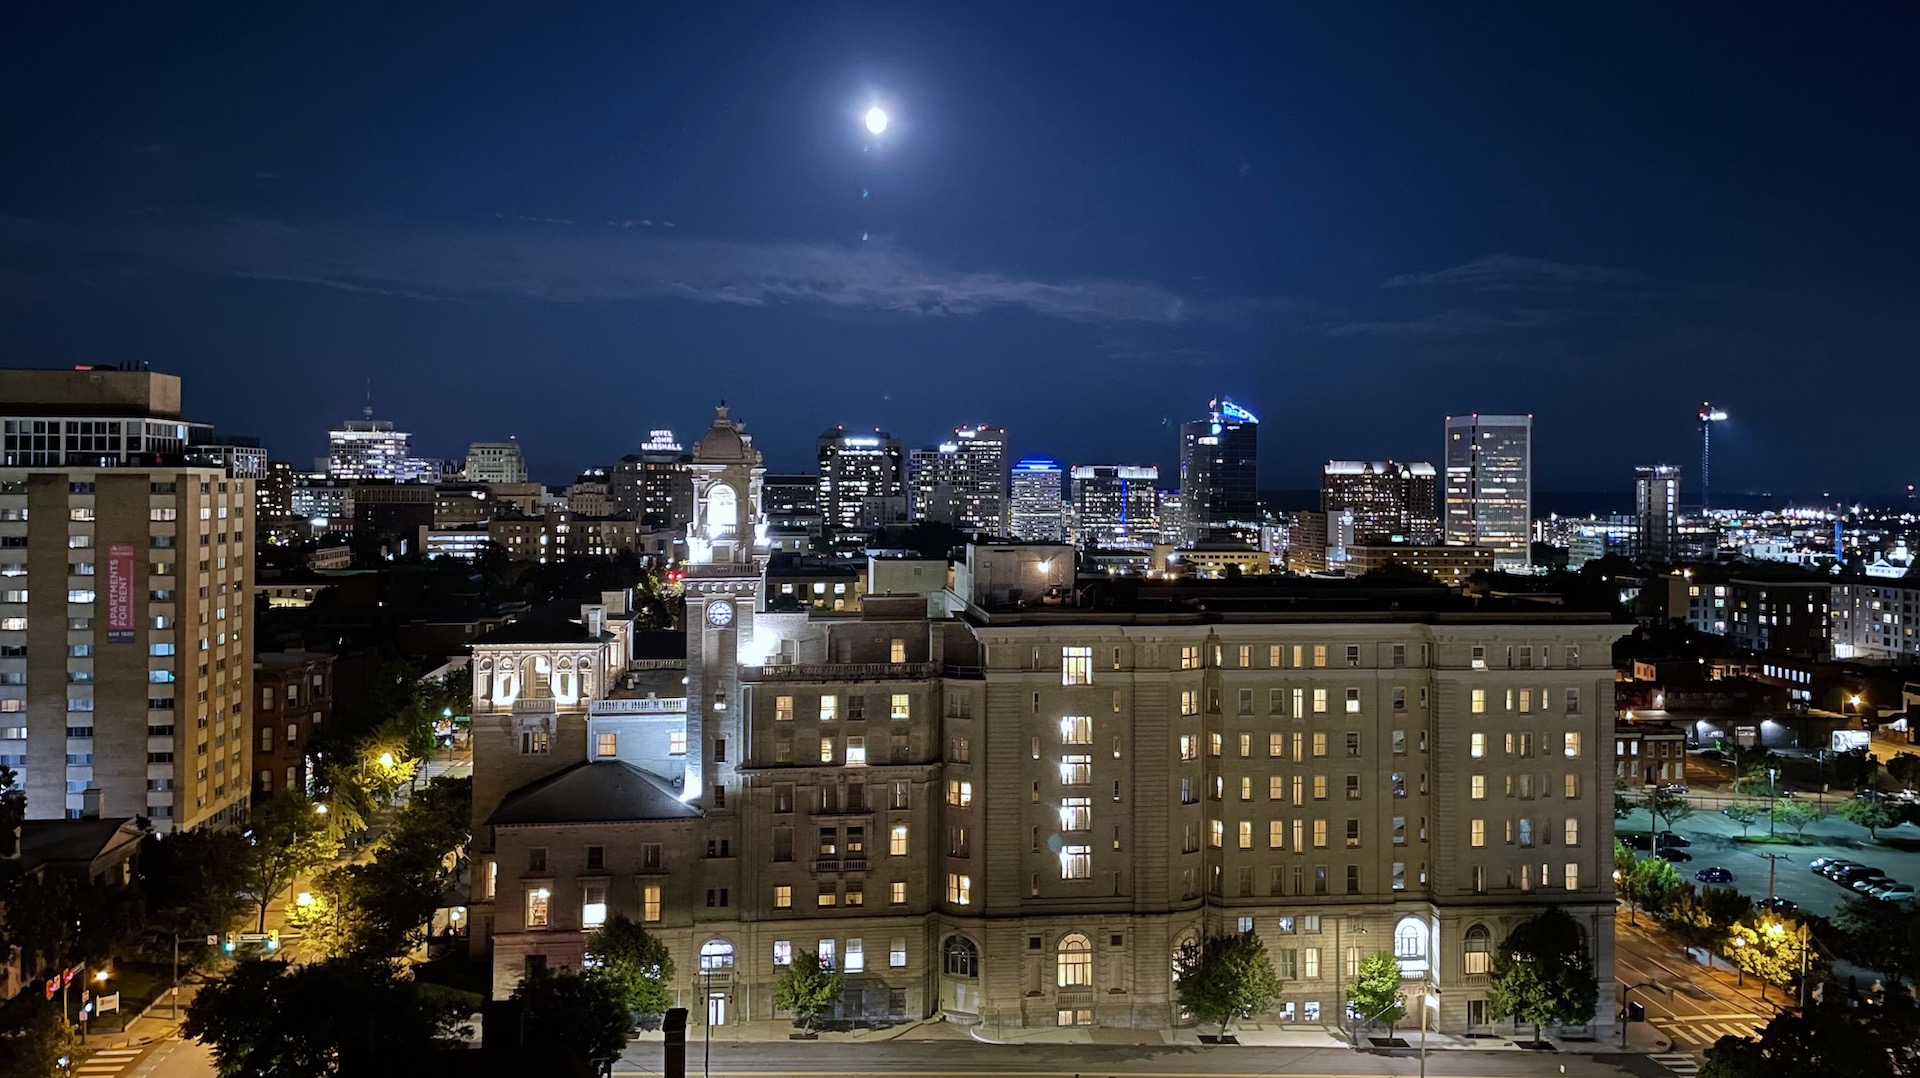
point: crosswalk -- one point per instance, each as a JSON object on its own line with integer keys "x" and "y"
{"x": 1705, "y": 1034}
{"x": 108, "y": 1062}
{"x": 1685, "y": 1066}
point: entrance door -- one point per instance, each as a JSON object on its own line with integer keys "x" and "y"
{"x": 717, "y": 1009}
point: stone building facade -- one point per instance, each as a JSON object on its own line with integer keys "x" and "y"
{"x": 1015, "y": 813}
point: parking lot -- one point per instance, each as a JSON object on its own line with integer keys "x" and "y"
{"x": 1897, "y": 853}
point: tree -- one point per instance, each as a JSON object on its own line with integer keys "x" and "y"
{"x": 289, "y": 838}
{"x": 1624, "y": 803}
{"x": 192, "y": 881}
{"x": 380, "y": 910}
{"x": 1855, "y": 769}
{"x": 1882, "y": 936}
{"x": 1832, "y": 1037}
{"x": 1794, "y": 816}
{"x": 1669, "y": 806}
{"x": 1872, "y": 815}
{"x": 580, "y": 1011}
{"x": 34, "y": 1037}
{"x": 806, "y": 988}
{"x": 1772, "y": 950}
{"x": 1750, "y": 767}
{"x": 1224, "y": 977}
{"x": 270, "y": 1018}
{"x": 1376, "y": 995}
{"x": 636, "y": 962}
{"x": 1702, "y": 916}
{"x": 1743, "y": 814}
{"x": 1544, "y": 973}
{"x": 1905, "y": 770}
{"x": 1648, "y": 886}
{"x": 13, "y": 811}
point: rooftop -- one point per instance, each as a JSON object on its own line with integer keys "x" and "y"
{"x": 599, "y": 791}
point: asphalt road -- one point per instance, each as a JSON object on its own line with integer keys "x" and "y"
{"x": 961, "y": 1059}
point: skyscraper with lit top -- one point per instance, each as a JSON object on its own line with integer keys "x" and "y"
{"x": 1219, "y": 469}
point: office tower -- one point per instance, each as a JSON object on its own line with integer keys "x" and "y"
{"x": 1038, "y": 513}
{"x": 587, "y": 494}
{"x": 654, "y": 485}
{"x": 1390, "y": 500}
{"x": 1013, "y": 815}
{"x": 1115, "y": 505}
{"x": 963, "y": 482}
{"x": 1656, "y": 514}
{"x": 1219, "y": 464}
{"x": 126, "y": 603}
{"x": 1489, "y": 462}
{"x": 495, "y": 462}
{"x": 793, "y": 500}
{"x": 863, "y": 480}
{"x": 369, "y": 448}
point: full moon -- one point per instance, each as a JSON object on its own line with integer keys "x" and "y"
{"x": 876, "y": 119}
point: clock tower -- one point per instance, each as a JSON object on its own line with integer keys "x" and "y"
{"x": 726, "y": 554}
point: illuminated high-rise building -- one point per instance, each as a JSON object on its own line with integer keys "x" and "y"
{"x": 1116, "y": 505}
{"x": 126, "y": 604}
{"x": 1219, "y": 470}
{"x": 963, "y": 481}
{"x": 1389, "y": 499}
{"x": 654, "y": 485}
{"x": 1038, "y": 513}
{"x": 863, "y": 478}
{"x": 369, "y": 448}
{"x": 1656, "y": 513}
{"x": 495, "y": 462}
{"x": 1489, "y": 501}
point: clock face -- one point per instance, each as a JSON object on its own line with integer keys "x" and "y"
{"x": 720, "y": 613}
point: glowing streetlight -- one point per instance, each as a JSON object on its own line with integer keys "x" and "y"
{"x": 304, "y": 898}
{"x": 386, "y": 759}
{"x": 101, "y": 976}
{"x": 320, "y": 810}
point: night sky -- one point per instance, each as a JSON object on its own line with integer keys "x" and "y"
{"x": 573, "y": 223}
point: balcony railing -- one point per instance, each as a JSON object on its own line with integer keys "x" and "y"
{"x": 838, "y": 672}
{"x": 840, "y": 864}
{"x": 532, "y": 705}
{"x": 643, "y": 706}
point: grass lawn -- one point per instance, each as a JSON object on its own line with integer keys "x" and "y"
{"x": 1773, "y": 840}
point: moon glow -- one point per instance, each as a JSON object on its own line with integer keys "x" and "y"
{"x": 876, "y": 119}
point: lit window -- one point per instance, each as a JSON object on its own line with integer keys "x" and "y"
{"x": 650, "y": 902}
{"x": 1319, "y": 701}
{"x": 959, "y": 793}
{"x": 1076, "y": 666}
{"x": 1076, "y": 770}
{"x": 829, "y": 708}
{"x": 537, "y": 906}
{"x": 897, "y": 952}
{"x": 897, "y": 651}
{"x": 897, "y": 841}
{"x": 782, "y": 896}
{"x": 1076, "y": 730}
{"x": 593, "y": 906}
{"x": 1478, "y": 746}
{"x": 1572, "y": 876}
{"x": 1572, "y": 743}
{"x": 959, "y": 889}
{"x": 1076, "y": 862}
{"x": 1074, "y": 965}
{"x": 1076, "y": 813}
{"x": 856, "y": 752}
{"x": 1479, "y": 701}
{"x": 676, "y": 742}
{"x": 826, "y": 750}
{"x": 1572, "y": 832}
{"x": 606, "y": 744}
{"x": 902, "y": 706}
{"x": 783, "y": 709}
{"x": 1353, "y": 701}
{"x": 1246, "y": 834}
{"x": 897, "y": 893}
{"x": 1478, "y": 788}
{"x": 1479, "y": 951}
{"x": 1479, "y": 832}
{"x": 783, "y": 952}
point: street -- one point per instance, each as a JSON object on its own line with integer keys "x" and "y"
{"x": 962, "y": 1059}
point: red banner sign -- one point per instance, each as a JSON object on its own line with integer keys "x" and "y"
{"x": 120, "y": 588}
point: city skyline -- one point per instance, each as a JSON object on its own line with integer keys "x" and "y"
{"x": 1056, "y": 214}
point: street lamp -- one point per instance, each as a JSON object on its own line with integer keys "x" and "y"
{"x": 386, "y": 759}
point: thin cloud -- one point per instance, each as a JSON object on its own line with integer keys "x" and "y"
{"x": 1448, "y": 323}
{"x": 1496, "y": 273}
{"x": 561, "y": 265}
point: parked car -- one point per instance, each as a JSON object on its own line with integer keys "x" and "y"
{"x": 1668, "y": 853}
{"x": 1867, "y": 883}
{"x": 1776, "y": 906}
{"x": 1899, "y": 892}
{"x": 1714, "y": 874}
{"x": 1819, "y": 863}
{"x": 1668, "y": 838}
{"x": 1673, "y": 787}
{"x": 1846, "y": 876}
{"x": 1835, "y": 867}
{"x": 1640, "y": 841}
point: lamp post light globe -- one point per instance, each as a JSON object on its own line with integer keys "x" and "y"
{"x": 386, "y": 759}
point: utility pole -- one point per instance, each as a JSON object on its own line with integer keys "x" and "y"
{"x": 1773, "y": 862}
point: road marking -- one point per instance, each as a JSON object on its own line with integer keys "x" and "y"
{"x": 107, "y": 1062}
{"x": 1683, "y": 1065}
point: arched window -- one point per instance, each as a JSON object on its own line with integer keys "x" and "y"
{"x": 1188, "y": 944}
{"x": 1479, "y": 950}
{"x": 722, "y": 510}
{"x": 962, "y": 957}
{"x": 716, "y": 956}
{"x": 1410, "y": 938}
{"x": 1075, "y": 962}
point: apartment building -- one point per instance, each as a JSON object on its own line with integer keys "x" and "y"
{"x": 126, "y": 583}
{"x": 295, "y": 702}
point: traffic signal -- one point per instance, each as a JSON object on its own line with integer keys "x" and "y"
{"x": 228, "y": 946}
{"x": 273, "y": 939}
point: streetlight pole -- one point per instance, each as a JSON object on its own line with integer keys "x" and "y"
{"x": 1625, "y": 1015}
{"x": 1773, "y": 861}
{"x": 706, "y": 1062}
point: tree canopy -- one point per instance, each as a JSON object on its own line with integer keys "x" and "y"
{"x": 1225, "y": 977}
{"x": 1544, "y": 973}
{"x": 806, "y": 988}
{"x": 269, "y": 1018}
{"x": 1870, "y": 814}
{"x": 1376, "y": 994}
{"x": 1835, "y": 1036}
{"x": 288, "y": 838}
{"x": 578, "y": 1011}
{"x": 634, "y": 961}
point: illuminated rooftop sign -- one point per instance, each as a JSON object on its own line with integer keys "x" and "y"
{"x": 1233, "y": 412}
